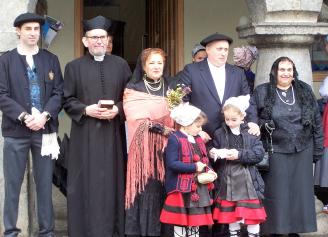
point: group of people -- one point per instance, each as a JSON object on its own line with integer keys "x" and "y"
{"x": 217, "y": 129}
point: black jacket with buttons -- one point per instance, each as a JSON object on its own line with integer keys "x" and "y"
{"x": 15, "y": 94}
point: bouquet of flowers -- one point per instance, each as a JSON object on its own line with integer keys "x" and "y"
{"x": 175, "y": 97}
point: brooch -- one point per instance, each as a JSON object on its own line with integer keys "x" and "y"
{"x": 51, "y": 75}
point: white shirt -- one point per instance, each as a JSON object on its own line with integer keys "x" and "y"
{"x": 28, "y": 54}
{"x": 218, "y": 75}
{"x": 323, "y": 91}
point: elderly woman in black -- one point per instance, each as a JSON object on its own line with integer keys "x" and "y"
{"x": 289, "y": 106}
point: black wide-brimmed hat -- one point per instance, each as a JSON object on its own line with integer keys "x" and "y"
{"x": 98, "y": 22}
{"x": 28, "y": 17}
{"x": 215, "y": 37}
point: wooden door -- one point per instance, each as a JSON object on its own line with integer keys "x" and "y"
{"x": 165, "y": 26}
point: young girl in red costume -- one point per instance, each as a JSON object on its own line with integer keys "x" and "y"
{"x": 188, "y": 204}
{"x": 240, "y": 186}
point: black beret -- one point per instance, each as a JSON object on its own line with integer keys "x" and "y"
{"x": 98, "y": 22}
{"x": 215, "y": 37}
{"x": 28, "y": 17}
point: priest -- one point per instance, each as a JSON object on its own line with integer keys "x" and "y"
{"x": 95, "y": 191}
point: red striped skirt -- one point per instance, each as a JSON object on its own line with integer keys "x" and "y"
{"x": 251, "y": 211}
{"x": 174, "y": 212}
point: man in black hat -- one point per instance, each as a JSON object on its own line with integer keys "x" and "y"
{"x": 30, "y": 100}
{"x": 212, "y": 82}
{"x": 93, "y": 93}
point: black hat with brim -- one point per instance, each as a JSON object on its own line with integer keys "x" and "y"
{"x": 98, "y": 22}
{"x": 215, "y": 37}
{"x": 28, "y": 17}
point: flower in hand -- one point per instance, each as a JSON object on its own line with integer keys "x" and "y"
{"x": 175, "y": 97}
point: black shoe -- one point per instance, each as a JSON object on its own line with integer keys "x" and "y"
{"x": 293, "y": 235}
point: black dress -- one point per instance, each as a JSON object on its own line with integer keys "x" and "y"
{"x": 289, "y": 186}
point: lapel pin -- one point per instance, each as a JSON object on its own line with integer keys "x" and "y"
{"x": 51, "y": 75}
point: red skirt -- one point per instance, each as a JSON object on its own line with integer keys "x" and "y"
{"x": 174, "y": 212}
{"x": 251, "y": 211}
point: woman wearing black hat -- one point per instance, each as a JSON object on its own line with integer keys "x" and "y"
{"x": 289, "y": 106}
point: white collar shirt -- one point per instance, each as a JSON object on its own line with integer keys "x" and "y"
{"x": 218, "y": 75}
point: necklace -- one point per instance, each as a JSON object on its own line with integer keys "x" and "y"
{"x": 285, "y": 102}
{"x": 153, "y": 88}
{"x": 149, "y": 85}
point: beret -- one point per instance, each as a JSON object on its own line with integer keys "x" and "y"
{"x": 98, "y": 22}
{"x": 215, "y": 37}
{"x": 196, "y": 49}
{"x": 28, "y": 17}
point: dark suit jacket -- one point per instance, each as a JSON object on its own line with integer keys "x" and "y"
{"x": 15, "y": 94}
{"x": 204, "y": 95}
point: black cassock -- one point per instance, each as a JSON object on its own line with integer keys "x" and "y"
{"x": 95, "y": 191}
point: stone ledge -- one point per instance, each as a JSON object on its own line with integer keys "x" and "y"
{"x": 287, "y": 28}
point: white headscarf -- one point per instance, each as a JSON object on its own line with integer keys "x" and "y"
{"x": 241, "y": 102}
{"x": 185, "y": 114}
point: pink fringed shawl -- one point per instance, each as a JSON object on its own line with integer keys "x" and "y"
{"x": 141, "y": 109}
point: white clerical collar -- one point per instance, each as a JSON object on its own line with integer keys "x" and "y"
{"x": 190, "y": 138}
{"x": 99, "y": 58}
{"x": 23, "y": 51}
{"x": 235, "y": 131}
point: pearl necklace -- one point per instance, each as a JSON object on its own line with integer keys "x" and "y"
{"x": 152, "y": 88}
{"x": 293, "y": 102}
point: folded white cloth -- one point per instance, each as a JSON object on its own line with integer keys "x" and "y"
{"x": 50, "y": 146}
{"x": 219, "y": 153}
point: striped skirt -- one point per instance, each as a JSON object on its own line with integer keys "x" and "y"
{"x": 251, "y": 211}
{"x": 174, "y": 212}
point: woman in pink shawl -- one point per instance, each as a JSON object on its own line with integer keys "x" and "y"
{"x": 149, "y": 124}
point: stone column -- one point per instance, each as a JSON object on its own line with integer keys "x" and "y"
{"x": 283, "y": 28}
{"x": 9, "y": 10}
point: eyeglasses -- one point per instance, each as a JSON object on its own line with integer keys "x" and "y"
{"x": 95, "y": 38}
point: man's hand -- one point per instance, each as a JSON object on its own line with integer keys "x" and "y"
{"x": 35, "y": 122}
{"x": 101, "y": 113}
{"x": 254, "y": 129}
{"x": 109, "y": 113}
